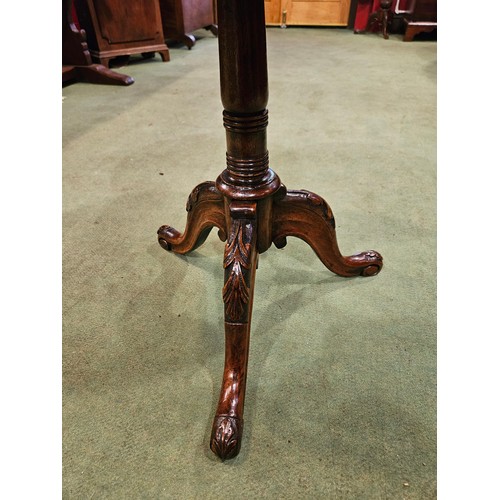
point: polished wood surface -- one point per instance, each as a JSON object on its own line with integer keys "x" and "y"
{"x": 423, "y": 19}
{"x": 77, "y": 64}
{"x": 181, "y": 17}
{"x": 381, "y": 18}
{"x": 307, "y": 12}
{"x": 122, "y": 28}
{"x": 251, "y": 208}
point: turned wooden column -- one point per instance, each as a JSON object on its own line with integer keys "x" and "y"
{"x": 244, "y": 94}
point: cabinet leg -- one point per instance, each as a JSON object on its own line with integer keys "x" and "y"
{"x": 213, "y": 28}
{"x": 188, "y": 39}
{"x": 165, "y": 55}
{"x": 414, "y": 28}
{"x": 385, "y": 22}
{"x": 381, "y": 18}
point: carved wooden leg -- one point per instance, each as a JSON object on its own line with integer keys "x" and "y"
{"x": 240, "y": 261}
{"x": 385, "y": 23}
{"x": 250, "y": 206}
{"x": 307, "y": 216}
{"x": 205, "y": 207}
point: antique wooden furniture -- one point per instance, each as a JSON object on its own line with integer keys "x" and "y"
{"x": 121, "y": 28}
{"x": 381, "y": 18}
{"x": 422, "y": 19}
{"x": 307, "y": 12}
{"x": 181, "y": 17}
{"x": 251, "y": 207}
{"x": 76, "y": 61}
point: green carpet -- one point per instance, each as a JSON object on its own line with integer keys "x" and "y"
{"x": 341, "y": 393}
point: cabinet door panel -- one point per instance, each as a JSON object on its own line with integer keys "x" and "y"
{"x": 308, "y": 12}
{"x": 328, "y": 12}
{"x": 273, "y": 11}
{"x": 121, "y": 22}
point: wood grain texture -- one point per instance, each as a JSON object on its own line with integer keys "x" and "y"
{"x": 77, "y": 64}
{"x": 307, "y": 12}
{"x": 181, "y": 17}
{"x": 122, "y": 27}
{"x": 251, "y": 208}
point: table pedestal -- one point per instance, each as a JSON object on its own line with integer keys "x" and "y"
{"x": 251, "y": 207}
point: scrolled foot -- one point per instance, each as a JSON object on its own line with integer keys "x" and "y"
{"x": 205, "y": 207}
{"x": 226, "y": 436}
{"x": 307, "y": 216}
{"x": 166, "y": 234}
{"x": 369, "y": 263}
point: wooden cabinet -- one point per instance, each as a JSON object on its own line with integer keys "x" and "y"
{"x": 421, "y": 19}
{"x": 76, "y": 61}
{"x": 181, "y": 17}
{"x": 122, "y": 27}
{"x": 307, "y": 12}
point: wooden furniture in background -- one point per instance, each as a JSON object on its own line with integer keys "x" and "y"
{"x": 76, "y": 61}
{"x": 251, "y": 207}
{"x": 423, "y": 19}
{"x": 381, "y": 18}
{"x": 307, "y": 12}
{"x": 122, "y": 27}
{"x": 181, "y": 17}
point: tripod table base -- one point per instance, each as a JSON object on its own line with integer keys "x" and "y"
{"x": 249, "y": 227}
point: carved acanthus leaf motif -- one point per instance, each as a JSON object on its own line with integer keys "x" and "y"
{"x": 236, "y": 292}
{"x": 225, "y": 437}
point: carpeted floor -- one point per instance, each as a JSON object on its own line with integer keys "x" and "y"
{"x": 341, "y": 393}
